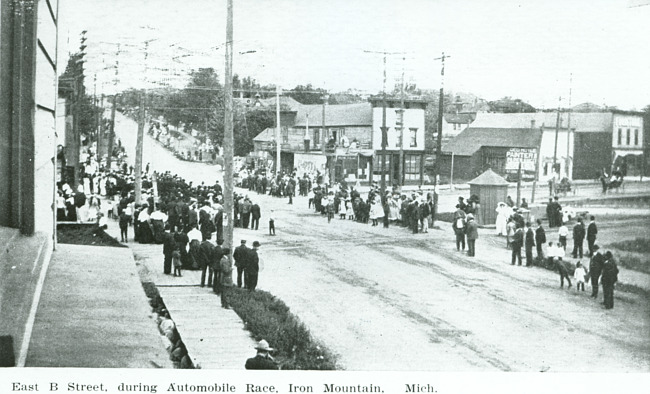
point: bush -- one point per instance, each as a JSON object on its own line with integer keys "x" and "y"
{"x": 84, "y": 234}
{"x": 267, "y": 317}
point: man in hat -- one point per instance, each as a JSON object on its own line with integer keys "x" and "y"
{"x": 252, "y": 267}
{"x": 592, "y": 232}
{"x": 529, "y": 243}
{"x": 241, "y": 258}
{"x": 471, "y": 229}
{"x": 609, "y": 278}
{"x": 595, "y": 269}
{"x": 517, "y": 244}
{"x": 578, "y": 238}
{"x": 262, "y": 359}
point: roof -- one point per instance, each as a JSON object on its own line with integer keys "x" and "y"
{"x": 470, "y": 140}
{"x": 358, "y": 114}
{"x": 463, "y": 118}
{"x": 584, "y": 122}
{"x": 267, "y": 135}
{"x": 287, "y": 101}
{"x": 489, "y": 177}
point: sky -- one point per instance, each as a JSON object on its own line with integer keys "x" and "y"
{"x": 537, "y": 51}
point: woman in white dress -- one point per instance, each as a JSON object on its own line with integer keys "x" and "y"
{"x": 503, "y": 213}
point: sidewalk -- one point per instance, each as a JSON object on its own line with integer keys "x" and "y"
{"x": 93, "y": 313}
{"x": 215, "y": 338}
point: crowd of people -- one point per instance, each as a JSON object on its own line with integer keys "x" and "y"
{"x": 602, "y": 268}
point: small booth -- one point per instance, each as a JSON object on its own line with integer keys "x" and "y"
{"x": 491, "y": 188}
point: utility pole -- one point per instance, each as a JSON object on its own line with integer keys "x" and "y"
{"x": 278, "y": 143}
{"x": 111, "y": 136}
{"x": 568, "y": 132}
{"x": 400, "y": 125}
{"x": 324, "y": 134}
{"x": 100, "y": 128}
{"x": 557, "y": 133}
{"x": 138, "y": 150}
{"x": 228, "y": 148}
{"x": 384, "y": 134}
{"x": 441, "y": 106}
{"x": 384, "y": 129}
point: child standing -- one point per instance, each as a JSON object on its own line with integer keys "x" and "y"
{"x": 124, "y": 226}
{"x": 176, "y": 260}
{"x": 579, "y": 275}
{"x": 271, "y": 224}
{"x": 563, "y": 233}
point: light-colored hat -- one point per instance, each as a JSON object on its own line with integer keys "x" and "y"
{"x": 263, "y": 345}
{"x": 470, "y": 216}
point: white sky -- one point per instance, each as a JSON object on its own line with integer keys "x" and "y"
{"x": 524, "y": 49}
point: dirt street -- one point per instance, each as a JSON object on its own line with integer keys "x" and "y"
{"x": 385, "y": 299}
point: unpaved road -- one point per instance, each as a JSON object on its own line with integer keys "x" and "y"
{"x": 384, "y": 299}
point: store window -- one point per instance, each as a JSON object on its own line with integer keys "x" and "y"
{"x": 412, "y": 165}
{"x": 414, "y": 137}
{"x": 376, "y": 164}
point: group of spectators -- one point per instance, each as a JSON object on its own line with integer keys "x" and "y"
{"x": 602, "y": 268}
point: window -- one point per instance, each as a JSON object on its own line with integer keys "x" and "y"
{"x": 398, "y": 142}
{"x": 627, "y": 137}
{"x": 414, "y": 137}
{"x": 412, "y": 165}
{"x": 636, "y": 137}
{"x": 316, "y": 137}
{"x": 620, "y": 136}
{"x": 285, "y": 135}
{"x": 376, "y": 164}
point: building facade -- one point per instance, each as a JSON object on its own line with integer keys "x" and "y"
{"x": 28, "y": 75}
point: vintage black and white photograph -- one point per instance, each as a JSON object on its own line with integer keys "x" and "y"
{"x": 324, "y": 185}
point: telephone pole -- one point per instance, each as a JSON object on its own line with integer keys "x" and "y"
{"x": 400, "y": 126}
{"x": 441, "y": 106}
{"x": 384, "y": 129}
{"x": 568, "y": 131}
{"x": 278, "y": 143}
{"x": 138, "y": 150}
{"x": 111, "y": 136}
{"x": 228, "y": 149}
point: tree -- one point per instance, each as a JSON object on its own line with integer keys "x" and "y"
{"x": 508, "y": 105}
{"x": 307, "y": 94}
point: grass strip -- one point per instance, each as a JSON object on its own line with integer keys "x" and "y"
{"x": 269, "y": 318}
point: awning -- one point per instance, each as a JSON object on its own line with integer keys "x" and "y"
{"x": 626, "y": 152}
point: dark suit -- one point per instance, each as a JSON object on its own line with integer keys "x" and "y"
{"x": 610, "y": 276}
{"x": 207, "y": 227}
{"x": 256, "y": 214}
{"x": 240, "y": 255}
{"x": 252, "y": 270}
{"x": 217, "y": 254}
{"x": 517, "y": 243}
{"x": 471, "y": 229}
{"x": 260, "y": 362}
{"x": 218, "y": 224}
{"x": 578, "y": 239}
{"x": 530, "y": 242}
{"x": 592, "y": 231}
{"x": 206, "y": 256}
{"x": 168, "y": 247}
{"x": 595, "y": 269}
{"x": 540, "y": 239}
